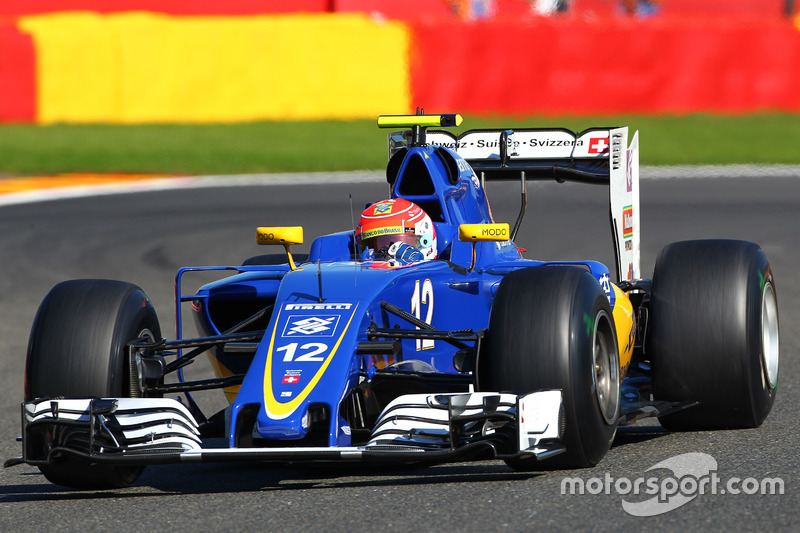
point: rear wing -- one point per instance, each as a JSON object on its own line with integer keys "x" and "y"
{"x": 596, "y": 155}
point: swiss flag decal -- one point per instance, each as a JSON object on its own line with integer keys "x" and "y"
{"x": 598, "y": 145}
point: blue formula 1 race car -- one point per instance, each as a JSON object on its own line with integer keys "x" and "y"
{"x": 420, "y": 336}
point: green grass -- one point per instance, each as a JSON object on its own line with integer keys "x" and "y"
{"x": 354, "y": 145}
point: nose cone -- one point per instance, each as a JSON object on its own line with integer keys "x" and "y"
{"x": 301, "y": 368}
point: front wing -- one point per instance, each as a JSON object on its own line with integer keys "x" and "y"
{"x": 420, "y": 428}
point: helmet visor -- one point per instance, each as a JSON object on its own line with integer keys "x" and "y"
{"x": 381, "y": 243}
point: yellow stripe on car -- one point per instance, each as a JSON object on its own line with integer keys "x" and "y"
{"x": 626, "y": 328}
{"x": 277, "y": 410}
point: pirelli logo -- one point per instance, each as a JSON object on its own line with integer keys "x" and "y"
{"x": 318, "y": 307}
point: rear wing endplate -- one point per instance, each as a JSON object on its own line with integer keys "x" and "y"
{"x": 595, "y": 155}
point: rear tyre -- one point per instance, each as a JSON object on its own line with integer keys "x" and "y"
{"x": 714, "y": 334}
{"x": 78, "y": 349}
{"x": 552, "y": 328}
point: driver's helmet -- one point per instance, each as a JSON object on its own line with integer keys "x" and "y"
{"x": 396, "y": 221}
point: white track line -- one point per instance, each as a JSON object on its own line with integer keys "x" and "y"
{"x": 193, "y": 182}
{"x": 364, "y": 176}
{"x": 721, "y": 171}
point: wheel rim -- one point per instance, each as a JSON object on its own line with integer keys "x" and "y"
{"x": 146, "y": 333}
{"x": 605, "y": 375}
{"x": 770, "y": 340}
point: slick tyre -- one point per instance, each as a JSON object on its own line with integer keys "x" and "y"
{"x": 552, "y": 328}
{"x": 714, "y": 334}
{"x": 78, "y": 349}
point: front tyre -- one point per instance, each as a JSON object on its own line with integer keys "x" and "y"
{"x": 714, "y": 334}
{"x": 552, "y": 328}
{"x": 78, "y": 349}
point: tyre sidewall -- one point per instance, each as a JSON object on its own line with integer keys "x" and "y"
{"x": 705, "y": 342}
{"x": 539, "y": 339}
{"x": 762, "y": 395}
{"x": 77, "y": 346}
{"x": 596, "y": 435}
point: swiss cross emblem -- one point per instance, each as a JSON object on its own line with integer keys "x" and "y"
{"x": 290, "y": 379}
{"x": 598, "y": 145}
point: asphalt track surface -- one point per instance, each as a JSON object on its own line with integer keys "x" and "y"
{"x": 144, "y": 237}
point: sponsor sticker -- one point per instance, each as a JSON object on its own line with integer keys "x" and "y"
{"x": 310, "y": 326}
{"x": 494, "y": 232}
{"x": 383, "y": 208}
{"x": 627, "y": 222}
{"x": 318, "y": 307}
{"x": 291, "y": 377}
{"x": 605, "y": 283}
{"x": 397, "y": 230}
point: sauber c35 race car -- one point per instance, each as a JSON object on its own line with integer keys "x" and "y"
{"x": 476, "y": 354}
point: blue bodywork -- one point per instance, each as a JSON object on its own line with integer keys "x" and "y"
{"x": 313, "y": 374}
